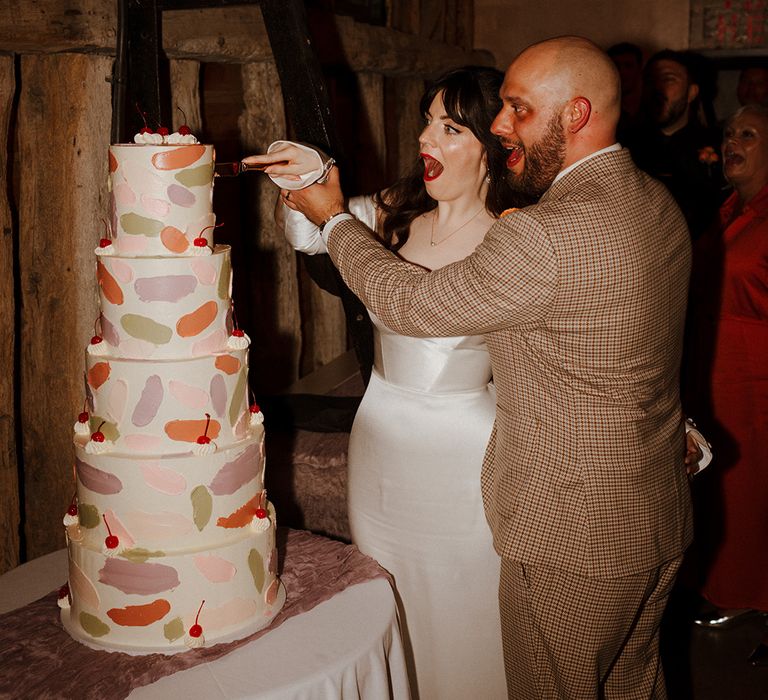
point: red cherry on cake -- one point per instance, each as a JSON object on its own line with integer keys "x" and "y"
{"x": 64, "y": 591}
{"x": 163, "y": 131}
{"x": 72, "y": 510}
{"x": 261, "y": 513}
{"x": 146, "y": 130}
{"x": 204, "y": 439}
{"x": 111, "y": 541}
{"x": 96, "y": 339}
{"x": 238, "y": 333}
{"x": 200, "y": 242}
{"x": 98, "y": 436}
{"x": 83, "y": 417}
{"x": 184, "y": 130}
{"x": 196, "y": 630}
{"x": 254, "y": 408}
{"x": 104, "y": 243}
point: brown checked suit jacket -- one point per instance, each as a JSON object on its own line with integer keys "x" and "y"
{"x": 581, "y": 299}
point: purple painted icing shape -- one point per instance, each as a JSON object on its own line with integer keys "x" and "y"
{"x": 149, "y": 403}
{"x": 97, "y": 480}
{"x": 109, "y": 332}
{"x": 218, "y": 394}
{"x": 236, "y": 473}
{"x": 168, "y": 288}
{"x": 180, "y": 196}
{"x": 138, "y": 577}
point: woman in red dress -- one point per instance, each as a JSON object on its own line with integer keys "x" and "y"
{"x": 730, "y": 304}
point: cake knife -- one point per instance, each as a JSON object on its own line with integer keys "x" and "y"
{"x": 236, "y": 168}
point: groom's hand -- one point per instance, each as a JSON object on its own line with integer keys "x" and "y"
{"x": 317, "y": 202}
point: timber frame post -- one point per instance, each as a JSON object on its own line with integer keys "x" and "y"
{"x": 138, "y": 73}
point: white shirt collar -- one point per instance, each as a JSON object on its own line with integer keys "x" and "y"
{"x": 607, "y": 149}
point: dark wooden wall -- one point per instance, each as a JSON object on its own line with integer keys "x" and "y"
{"x": 55, "y": 108}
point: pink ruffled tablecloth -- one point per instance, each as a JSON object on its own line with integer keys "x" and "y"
{"x": 38, "y": 659}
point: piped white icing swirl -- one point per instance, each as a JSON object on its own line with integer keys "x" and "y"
{"x": 238, "y": 342}
{"x": 171, "y": 139}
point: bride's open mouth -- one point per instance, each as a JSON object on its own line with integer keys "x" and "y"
{"x": 433, "y": 168}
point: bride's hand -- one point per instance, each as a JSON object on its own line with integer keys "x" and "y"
{"x": 287, "y": 161}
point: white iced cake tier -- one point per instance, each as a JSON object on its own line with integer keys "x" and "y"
{"x": 148, "y": 601}
{"x": 161, "y": 198}
{"x": 164, "y": 307}
{"x": 170, "y": 501}
{"x": 150, "y": 407}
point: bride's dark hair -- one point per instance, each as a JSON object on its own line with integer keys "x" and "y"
{"x": 471, "y": 98}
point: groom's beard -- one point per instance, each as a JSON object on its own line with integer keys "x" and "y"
{"x": 543, "y": 161}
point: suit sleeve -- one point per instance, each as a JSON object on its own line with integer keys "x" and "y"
{"x": 510, "y": 280}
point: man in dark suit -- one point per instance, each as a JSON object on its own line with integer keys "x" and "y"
{"x": 581, "y": 299}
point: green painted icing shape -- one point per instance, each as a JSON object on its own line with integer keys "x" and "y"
{"x": 108, "y": 428}
{"x": 92, "y": 625}
{"x": 145, "y": 328}
{"x": 140, "y": 555}
{"x": 238, "y": 396}
{"x": 174, "y": 629}
{"x": 224, "y": 277}
{"x": 136, "y": 225}
{"x": 256, "y": 565}
{"x": 196, "y": 177}
{"x": 202, "y": 506}
{"x": 89, "y": 515}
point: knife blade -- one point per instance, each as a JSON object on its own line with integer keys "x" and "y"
{"x": 236, "y": 168}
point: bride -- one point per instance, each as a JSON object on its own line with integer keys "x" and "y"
{"x": 419, "y": 436}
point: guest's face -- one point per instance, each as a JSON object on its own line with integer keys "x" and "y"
{"x": 454, "y": 160}
{"x": 670, "y": 93}
{"x": 753, "y": 87}
{"x": 745, "y": 150}
{"x": 529, "y": 124}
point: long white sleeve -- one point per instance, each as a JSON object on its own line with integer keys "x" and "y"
{"x": 305, "y": 236}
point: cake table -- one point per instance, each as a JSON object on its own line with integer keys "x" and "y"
{"x": 346, "y": 647}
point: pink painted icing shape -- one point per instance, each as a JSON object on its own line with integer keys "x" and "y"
{"x": 215, "y": 342}
{"x": 155, "y": 527}
{"x": 109, "y": 332}
{"x": 118, "y": 528}
{"x": 143, "y": 443}
{"x": 122, "y": 271}
{"x": 238, "y": 472}
{"x": 139, "y": 578}
{"x": 167, "y": 481}
{"x": 143, "y": 179}
{"x": 186, "y": 395}
{"x": 215, "y": 569}
{"x": 97, "y": 480}
{"x": 137, "y": 348}
{"x": 82, "y": 589}
{"x": 219, "y": 394}
{"x": 205, "y": 272}
{"x": 117, "y": 399}
{"x": 169, "y": 288}
{"x": 156, "y": 208}
{"x": 181, "y": 196}
{"x": 149, "y": 403}
{"x": 123, "y": 194}
{"x": 232, "y": 612}
{"x": 131, "y": 245}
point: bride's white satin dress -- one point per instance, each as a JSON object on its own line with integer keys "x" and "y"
{"x": 415, "y": 455}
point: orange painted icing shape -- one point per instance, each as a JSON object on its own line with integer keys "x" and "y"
{"x": 190, "y": 430}
{"x": 241, "y": 517}
{"x": 196, "y": 322}
{"x": 174, "y": 240}
{"x": 140, "y": 615}
{"x": 108, "y": 284}
{"x": 178, "y": 157}
{"x": 98, "y": 374}
{"x": 227, "y": 364}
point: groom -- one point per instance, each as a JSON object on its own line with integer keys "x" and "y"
{"x": 581, "y": 299}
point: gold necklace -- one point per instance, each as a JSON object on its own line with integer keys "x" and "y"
{"x": 433, "y": 242}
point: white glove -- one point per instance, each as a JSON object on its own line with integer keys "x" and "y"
{"x": 301, "y": 233}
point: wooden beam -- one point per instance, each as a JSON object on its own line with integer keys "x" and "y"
{"x": 61, "y": 208}
{"x": 9, "y": 477}
{"x": 232, "y": 34}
